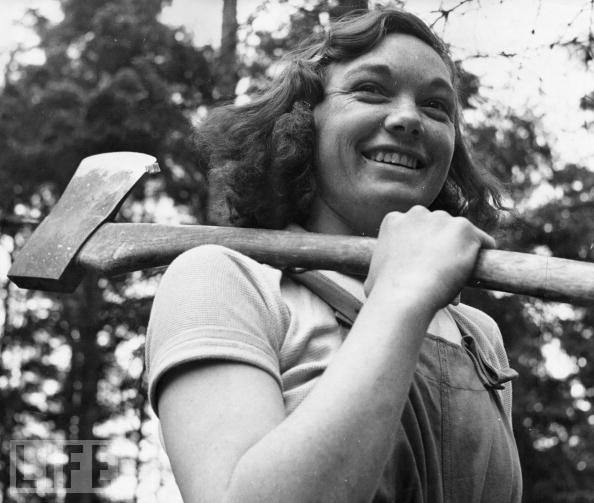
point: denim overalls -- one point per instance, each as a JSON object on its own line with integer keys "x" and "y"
{"x": 455, "y": 443}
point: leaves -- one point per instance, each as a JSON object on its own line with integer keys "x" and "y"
{"x": 115, "y": 78}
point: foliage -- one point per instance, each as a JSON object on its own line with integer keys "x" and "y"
{"x": 553, "y": 214}
{"x": 115, "y": 78}
{"x": 264, "y": 46}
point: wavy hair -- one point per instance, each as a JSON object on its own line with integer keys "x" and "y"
{"x": 264, "y": 150}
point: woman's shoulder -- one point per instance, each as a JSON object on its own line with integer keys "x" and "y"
{"x": 212, "y": 285}
{"x": 213, "y": 260}
{"x": 220, "y": 267}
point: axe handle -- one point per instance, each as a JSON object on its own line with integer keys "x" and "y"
{"x": 119, "y": 248}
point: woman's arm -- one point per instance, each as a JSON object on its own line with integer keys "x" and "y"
{"x": 224, "y": 424}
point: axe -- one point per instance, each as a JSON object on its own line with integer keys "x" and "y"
{"x": 77, "y": 236}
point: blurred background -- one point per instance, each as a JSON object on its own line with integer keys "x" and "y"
{"x": 80, "y": 77}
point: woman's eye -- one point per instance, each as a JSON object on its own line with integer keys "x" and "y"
{"x": 369, "y": 90}
{"x": 440, "y": 106}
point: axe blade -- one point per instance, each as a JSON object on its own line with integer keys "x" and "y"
{"x": 93, "y": 196}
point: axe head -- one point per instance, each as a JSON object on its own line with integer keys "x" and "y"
{"x": 93, "y": 196}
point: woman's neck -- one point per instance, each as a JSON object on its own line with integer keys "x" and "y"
{"x": 324, "y": 219}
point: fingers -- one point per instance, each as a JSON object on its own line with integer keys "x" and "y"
{"x": 487, "y": 240}
{"x": 423, "y": 250}
{"x": 421, "y": 213}
{"x": 470, "y": 231}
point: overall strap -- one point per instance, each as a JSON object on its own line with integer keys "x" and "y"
{"x": 346, "y": 306}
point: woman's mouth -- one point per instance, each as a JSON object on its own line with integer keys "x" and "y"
{"x": 394, "y": 158}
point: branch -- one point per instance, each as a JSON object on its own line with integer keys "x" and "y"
{"x": 482, "y": 55}
{"x": 445, "y": 13}
{"x": 16, "y": 221}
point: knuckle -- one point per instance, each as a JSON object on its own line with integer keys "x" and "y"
{"x": 463, "y": 224}
{"x": 391, "y": 217}
{"x": 418, "y": 209}
{"x": 442, "y": 214}
{"x": 462, "y": 220}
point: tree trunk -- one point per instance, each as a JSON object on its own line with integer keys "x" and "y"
{"x": 341, "y": 7}
{"x": 227, "y": 62}
{"x": 85, "y": 373}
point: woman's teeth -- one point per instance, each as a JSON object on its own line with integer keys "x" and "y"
{"x": 394, "y": 158}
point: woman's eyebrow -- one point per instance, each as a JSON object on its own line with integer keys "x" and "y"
{"x": 377, "y": 68}
{"x": 441, "y": 83}
{"x": 384, "y": 71}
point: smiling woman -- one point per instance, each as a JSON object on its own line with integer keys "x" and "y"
{"x": 385, "y": 136}
{"x": 263, "y": 390}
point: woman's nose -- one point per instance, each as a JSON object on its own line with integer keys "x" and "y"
{"x": 404, "y": 119}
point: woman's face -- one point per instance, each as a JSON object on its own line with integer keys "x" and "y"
{"x": 385, "y": 135}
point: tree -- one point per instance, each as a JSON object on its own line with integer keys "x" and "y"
{"x": 302, "y": 21}
{"x": 115, "y": 78}
{"x": 552, "y": 418}
{"x": 339, "y": 8}
{"x": 227, "y": 66}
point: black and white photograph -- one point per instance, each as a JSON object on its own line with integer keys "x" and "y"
{"x": 295, "y": 251}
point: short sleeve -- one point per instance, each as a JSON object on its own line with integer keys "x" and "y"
{"x": 214, "y": 303}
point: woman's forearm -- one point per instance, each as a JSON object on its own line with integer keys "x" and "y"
{"x": 334, "y": 446}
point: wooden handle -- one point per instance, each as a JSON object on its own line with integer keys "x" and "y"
{"x": 549, "y": 278}
{"x": 119, "y": 248}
